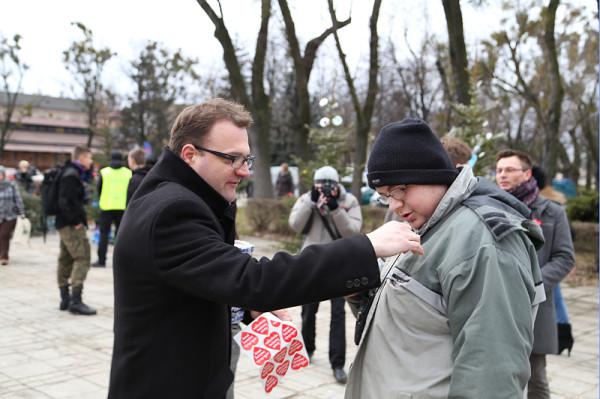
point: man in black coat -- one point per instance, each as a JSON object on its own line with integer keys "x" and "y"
{"x": 176, "y": 271}
{"x": 136, "y": 159}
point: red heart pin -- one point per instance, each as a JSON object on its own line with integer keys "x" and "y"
{"x": 273, "y": 341}
{"x": 295, "y": 346}
{"x": 280, "y": 355}
{"x": 266, "y": 370}
{"x": 275, "y": 323}
{"x": 261, "y": 355}
{"x": 283, "y": 368}
{"x": 299, "y": 362}
{"x": 271, "y": 383}
{"x": 261, "y": 326}
{"x": 248, "y": 340}
{"x": 288, "y": 332}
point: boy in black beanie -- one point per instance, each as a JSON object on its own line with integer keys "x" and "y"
{"x": 456, "y": 322}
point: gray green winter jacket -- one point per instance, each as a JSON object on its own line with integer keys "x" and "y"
{"x": 456, "y": 322}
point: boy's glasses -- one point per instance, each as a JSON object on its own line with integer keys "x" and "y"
{"x": 397, "y": 193}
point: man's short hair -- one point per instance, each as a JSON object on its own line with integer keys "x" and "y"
{"x": 80, "y": 150}
{"x": 458, "y": 150}
{"x": 138, "y": 155}
{"x": 195, "y": 121}
{"x": 523, "y": 157}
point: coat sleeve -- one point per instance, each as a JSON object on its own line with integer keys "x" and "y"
{"x": 300, "y": 213}
{"x": 348, "y": 221}
{"x": 562, "y": 258}
{"x": 489, "y": 300}
{"x": 190, "y": 255}
{"x": 20, "y": 207}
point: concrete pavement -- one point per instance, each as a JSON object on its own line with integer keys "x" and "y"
{"x": 45, "y": 353}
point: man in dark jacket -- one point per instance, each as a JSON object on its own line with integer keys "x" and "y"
{"x": 176, "y": 271}
{"x": 71, "y": 223}
{"x": 556, "y": 258}
{"x": 136, "y": 159}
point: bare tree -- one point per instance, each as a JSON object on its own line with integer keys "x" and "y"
{"x": 547, "y": 104}
{"x": 258, "y": 102}
{"x": 12, "y": 70}
{"x": 301, "y": 116}
{"x": 86, "y": 64}
{"x": 364, "y": 113}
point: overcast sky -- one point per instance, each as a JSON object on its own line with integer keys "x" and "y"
{"x": 125, "y": 25}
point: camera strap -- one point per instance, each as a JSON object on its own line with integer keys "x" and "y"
{"x": 334, "y": 235}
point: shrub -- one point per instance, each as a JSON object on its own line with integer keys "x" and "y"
{"x": 264, "y": 215}
{"x": 33, "y": 211}
{"x": 584, "y": 207}
{"x": 372, "y": 217}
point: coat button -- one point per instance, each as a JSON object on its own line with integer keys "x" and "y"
{"x": 364, "y": 281}
{"x": 356, "y": 283}
{"x": 349, "y": 284}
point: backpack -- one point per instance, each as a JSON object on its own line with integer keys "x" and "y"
{"x": 49, "y": 191}
{"x": 49, "y": 194}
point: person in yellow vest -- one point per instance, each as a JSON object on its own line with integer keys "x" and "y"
{"x": 112, "y": 188}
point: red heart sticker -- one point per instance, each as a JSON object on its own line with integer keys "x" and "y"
{"x": 261, "y": 355}
{"x": 299, "y": 362}
{"x": 280, "y": 355}
{"x": 266, "y": 370}
{"x": 288, "y": 332}
{"x": 295, "y": 346}
{"x": 248, "y": 340}
{"x": 261, "y": 326}
{"x": 283, "y": 368}
{"x": 275, "y": 323}
{"x": 271, "y": 383}
{"x": 273, "y": 341}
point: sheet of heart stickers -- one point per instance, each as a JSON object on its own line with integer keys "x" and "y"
{"x": 273, "y": 345}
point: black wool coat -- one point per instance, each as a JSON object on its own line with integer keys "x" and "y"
{"x": 176, "y": 273}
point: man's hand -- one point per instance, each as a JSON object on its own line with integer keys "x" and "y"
{"x": 395, "y": 237}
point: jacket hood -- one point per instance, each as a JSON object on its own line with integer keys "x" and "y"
{"x": 487, "y": 195}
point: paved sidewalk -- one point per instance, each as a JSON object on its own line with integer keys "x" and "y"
{"x": 45, "y": 353}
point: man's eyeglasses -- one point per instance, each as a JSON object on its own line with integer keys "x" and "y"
{"x": 508, "y": 170}
{"x": 397, "y": 193}
{"x": 237, "y": 161}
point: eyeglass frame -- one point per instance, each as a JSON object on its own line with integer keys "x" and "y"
{"x": 248, "y": 159}
{"x": 509, "y": 170}
{"x": 384, "y": 199}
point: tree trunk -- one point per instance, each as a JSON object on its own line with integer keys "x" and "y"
{"x": 556, "y": 94}
{"x": 458, "y": 52}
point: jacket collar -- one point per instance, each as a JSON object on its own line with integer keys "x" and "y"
{"x": 459, "y": 190}
{"x": 171, "y": 168}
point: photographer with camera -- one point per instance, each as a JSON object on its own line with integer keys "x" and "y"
{"x": 325, "y": 214}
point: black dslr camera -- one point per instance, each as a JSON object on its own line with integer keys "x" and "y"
{"x": 327, "y": 187}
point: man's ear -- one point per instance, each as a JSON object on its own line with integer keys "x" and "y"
{"x": 527, "y": 174}
{"x": 187, "y": 153}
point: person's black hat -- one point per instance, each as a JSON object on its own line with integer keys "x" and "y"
{"x": 408, "y": 152}
{"x": 116, "y": 156}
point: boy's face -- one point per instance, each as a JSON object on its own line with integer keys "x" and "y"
{"x": 414, "y": 203}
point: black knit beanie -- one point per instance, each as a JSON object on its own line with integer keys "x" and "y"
{"x": 408, "y": 152}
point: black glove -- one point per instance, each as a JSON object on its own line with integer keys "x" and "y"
{"x": 332, "y": 203}
{"x": 314, "y": 194}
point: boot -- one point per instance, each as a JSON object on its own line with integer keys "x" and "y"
{"x": 65, "y": 297}
{"x": 565, "y": 338}
{"x": 77, "y": 306}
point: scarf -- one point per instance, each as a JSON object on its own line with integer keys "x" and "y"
{"x": 526, "y": 192}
